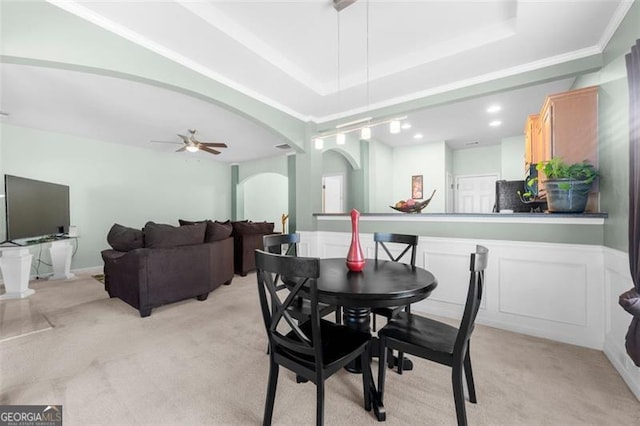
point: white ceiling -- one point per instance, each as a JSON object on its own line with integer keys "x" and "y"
{"x": 308, "y": 60}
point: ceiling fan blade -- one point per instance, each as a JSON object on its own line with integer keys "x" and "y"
{"x": 184, "y": 148}
{"x": 178, "y": 143}
{"x": 209, "y": 150}
{"x": 214, "y": 144}
{"x": 184, "y": 138}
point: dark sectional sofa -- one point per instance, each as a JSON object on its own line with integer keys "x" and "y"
{"x": 247, "y": 237}
{"x": 163, "y": 264}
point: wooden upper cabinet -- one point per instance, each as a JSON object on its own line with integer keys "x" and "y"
{"x": 569, "y": 123}
{"x": 531, "y": 135}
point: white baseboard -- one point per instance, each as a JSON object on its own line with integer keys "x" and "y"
{"x": 91, "y": 270}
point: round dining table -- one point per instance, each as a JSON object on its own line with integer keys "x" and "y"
{"x": 381, "y": 283}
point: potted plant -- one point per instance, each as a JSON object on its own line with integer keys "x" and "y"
{"x": 567, "y": 185}
{"x": 531, "y": 197}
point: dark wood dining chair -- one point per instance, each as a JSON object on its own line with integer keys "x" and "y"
{"x": 439, "y": 342}
{"x": 287, "y": 244}
{"x": 314, "y": 349}
{"x": 408, "y": 244}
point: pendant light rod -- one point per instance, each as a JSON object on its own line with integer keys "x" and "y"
{"x": 351, "y": 123}
{"x": 353, "y": 127}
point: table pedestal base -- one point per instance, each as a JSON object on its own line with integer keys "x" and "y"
{"x": 356, "y": 319}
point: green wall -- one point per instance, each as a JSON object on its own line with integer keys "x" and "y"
{"x": 512, "y": 158}
{"x": 550, "y": 233}
{"x": 381, "y": 177}
{"x": 427, "y": 160}
{"x": 115, "y": 183}
{"x": 613, "y": 128}
{"x": 476, "y": 161}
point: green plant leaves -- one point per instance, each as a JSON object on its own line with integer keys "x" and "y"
{"x": 556, "y": 168}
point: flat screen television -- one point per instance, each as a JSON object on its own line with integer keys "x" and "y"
{"x": 35, "y": 208}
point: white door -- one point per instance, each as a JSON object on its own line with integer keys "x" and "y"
{"x": 450, "y": 194}
{"x": 333, "y": 194}
{"x": 475, "y": 194}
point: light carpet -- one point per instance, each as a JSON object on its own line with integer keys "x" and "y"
{"x": 193, "y": 363}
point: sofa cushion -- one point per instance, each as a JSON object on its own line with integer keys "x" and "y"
{"x": 122, "y": 238}
{"x": 158, "y": 235}
{"x": 215, "y": 231}
{"x": 249, "y": 228}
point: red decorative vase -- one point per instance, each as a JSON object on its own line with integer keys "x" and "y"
{"x": 355, "y": 258}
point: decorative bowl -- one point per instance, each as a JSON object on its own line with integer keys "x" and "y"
{"x": 417, "y": 207}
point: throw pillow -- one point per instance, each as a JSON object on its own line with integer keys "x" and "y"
{"x": 183, "y": 222}
{"x": 216, "y": 231}
{"x": 123, "y": 238}
{"x": 158, "y": 235}
{"x": 247, "y": 228}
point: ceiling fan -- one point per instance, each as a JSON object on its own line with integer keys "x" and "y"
{"x": 192, "y": 144}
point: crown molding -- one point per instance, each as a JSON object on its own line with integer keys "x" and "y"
{"x": 614, "y": 23}
{"x": 216, "y": 18}
{"x": 460, "y": 84}
{"x": 82, "y": 12}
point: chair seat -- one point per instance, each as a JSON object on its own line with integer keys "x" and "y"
{"x": 301, "y": 311}
{"x": 387, "y": 312}
{"x": 338, "y": 341}
{"x": 420, "y": 331}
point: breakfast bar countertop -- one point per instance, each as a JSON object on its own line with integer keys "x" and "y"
{"x": 551, "y": 218}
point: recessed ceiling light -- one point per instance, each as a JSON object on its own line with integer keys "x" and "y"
{"x": 418, "y": 136}
{"x": 406, "y": 126}
{"x": 495, "y": 123}
{"x": 494, "y": 108}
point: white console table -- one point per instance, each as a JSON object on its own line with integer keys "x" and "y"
{"x": 15, "y": 264}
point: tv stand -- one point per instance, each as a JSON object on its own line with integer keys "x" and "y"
{"x": 61, "y": 252}
{"x": 15, "y": 265}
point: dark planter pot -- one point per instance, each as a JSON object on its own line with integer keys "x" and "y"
{"x": 567, "y": 195}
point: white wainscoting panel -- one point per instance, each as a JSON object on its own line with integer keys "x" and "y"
{"x": 563, "y": 292}
{"x": 527, "y": 294}
{"x": 555, "y": 291}
{"x": 617, "y": 280}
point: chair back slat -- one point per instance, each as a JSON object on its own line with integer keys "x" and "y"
{"x": 410, "y": 242}
{"x": 477, "y": 268}
{"x": 286, "y": 244}
{"x": 283, "y": 331}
